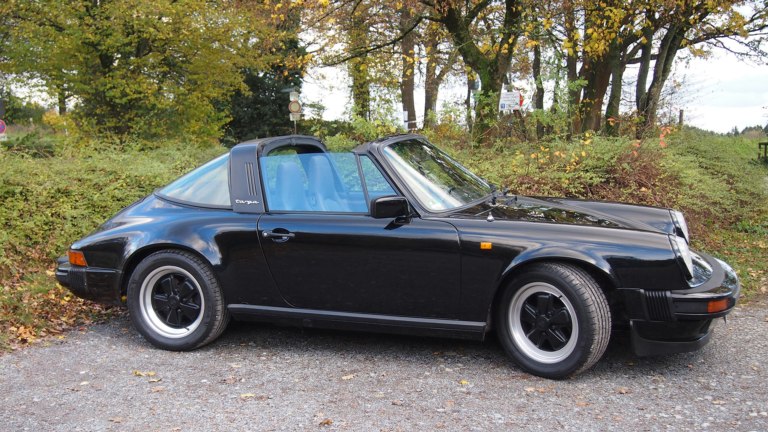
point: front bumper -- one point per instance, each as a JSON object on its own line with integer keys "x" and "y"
{"x": 96, "y": 284}
{"x": 668, "y": 322}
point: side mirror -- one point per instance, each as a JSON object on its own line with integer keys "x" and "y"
{"x": 389, "y": 207}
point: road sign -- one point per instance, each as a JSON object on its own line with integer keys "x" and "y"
{"x": 295, "y": 116}
{"x": 294, "y": 107}
{"x": 2, "y": 127}
{"x": 293, "y": 96}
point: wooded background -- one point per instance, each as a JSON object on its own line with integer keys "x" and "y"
{"x": 218, "y": 68}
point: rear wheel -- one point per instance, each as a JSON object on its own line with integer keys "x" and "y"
{"x": 175, "y": 302}
{"x": 554, "y": 320}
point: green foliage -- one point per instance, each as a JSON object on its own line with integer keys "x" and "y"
{"x": 32, "y": 144}
{"x": 140, "y": 67}
{"x": 19, "y": 111}
{"x": 262, "y": 110}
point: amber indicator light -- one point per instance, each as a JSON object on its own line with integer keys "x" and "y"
{"x": 486, "y": 245}
{"x": 77, "y": 258}
{"x": 717, "y": 305}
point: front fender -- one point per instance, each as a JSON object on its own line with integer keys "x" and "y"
{"x": 551, "y": 253}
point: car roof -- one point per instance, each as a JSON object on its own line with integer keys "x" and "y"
{"x": 263, "y": 146}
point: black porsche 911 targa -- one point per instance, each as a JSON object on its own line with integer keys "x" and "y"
{"x": 396, "y": 236}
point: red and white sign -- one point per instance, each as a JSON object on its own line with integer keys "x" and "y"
{"x": 294, "y": 107}
{"x": 2, "y": 127}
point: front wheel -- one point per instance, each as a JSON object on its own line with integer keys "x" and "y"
{"x": 554, "y": 320}
{"x": 175, "y": 302}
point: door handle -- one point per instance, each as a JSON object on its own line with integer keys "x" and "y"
{"x": 278, "y": 236}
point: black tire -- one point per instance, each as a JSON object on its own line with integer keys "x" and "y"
{"x": 554, "y": 320}
{"x": 175, "y": 302}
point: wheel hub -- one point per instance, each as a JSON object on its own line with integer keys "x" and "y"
{"x": 174, "y": 301}
{"x": 542, "y": 322}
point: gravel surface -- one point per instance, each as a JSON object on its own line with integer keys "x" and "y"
{"x": 262, "y": 377}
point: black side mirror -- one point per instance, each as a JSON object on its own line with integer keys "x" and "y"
{"x": 389, "y": 207}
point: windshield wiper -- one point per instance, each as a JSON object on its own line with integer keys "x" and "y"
{"x": 495, "y": 193}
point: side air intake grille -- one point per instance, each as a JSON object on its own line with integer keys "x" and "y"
{"x": 658, "y": 305}
{"x": 251, "y": 178}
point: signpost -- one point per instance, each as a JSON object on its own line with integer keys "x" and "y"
{"x": 294, "y": 108}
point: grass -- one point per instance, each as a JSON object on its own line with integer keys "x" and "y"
{"x": 53, "y": 192}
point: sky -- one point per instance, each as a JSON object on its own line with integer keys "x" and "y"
{"x": 725, "y": 92}
{"x": 717, "y": 93}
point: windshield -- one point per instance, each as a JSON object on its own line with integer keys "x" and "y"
{"x": 438, "y": 182}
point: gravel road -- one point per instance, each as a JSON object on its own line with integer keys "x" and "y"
{"x": 260, "y": 377}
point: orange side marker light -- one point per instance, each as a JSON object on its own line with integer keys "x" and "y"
{"x": 77, "y": 258}
{"x": 717, "y": 305}
{"x": 486, "y": 245}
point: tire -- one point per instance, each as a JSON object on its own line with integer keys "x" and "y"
{"x": 554, "y": 320}
{"x": 175, "y": 302}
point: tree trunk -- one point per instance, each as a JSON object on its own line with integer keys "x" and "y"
{"x": 670, "y": 44}
{"x": 538, "y": 98}
{"x": 471, "y": 83}
{"x": 574, "y": 92}
{"x": 597, "y": 85}
{"x": 645, "y": 67}
{"x": 612, "y": 114}
{"x": 491, "y": 67}
{"x": 61, "y": 97}
{"x": 358, "y": 69}
{"x": 407, "y": 84}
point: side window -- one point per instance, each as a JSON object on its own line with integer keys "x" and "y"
{"x": 375, "y": 181}
{"x": 207, "y": 186}
{"x": 312, "y": 182}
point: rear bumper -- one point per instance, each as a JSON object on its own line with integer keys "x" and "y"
{"x": 668, "y": 322}
{"x": 96, "y": 284}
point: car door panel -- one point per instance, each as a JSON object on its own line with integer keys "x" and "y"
{"x": 355, "y": 263}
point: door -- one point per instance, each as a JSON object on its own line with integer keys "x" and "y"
{"x": 326, "y": 252}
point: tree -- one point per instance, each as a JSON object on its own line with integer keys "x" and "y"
{"x": 485, "y": 34}
{"x": 152, "y": 68}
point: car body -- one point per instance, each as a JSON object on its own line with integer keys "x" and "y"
{"x": 396, "y": 236}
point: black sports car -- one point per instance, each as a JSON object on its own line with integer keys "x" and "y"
{"x": 398, "y": 237}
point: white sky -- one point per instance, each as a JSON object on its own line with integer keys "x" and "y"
{"x": 717, "y": 93}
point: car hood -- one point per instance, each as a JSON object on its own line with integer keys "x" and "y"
{"x": 571, "y": 212}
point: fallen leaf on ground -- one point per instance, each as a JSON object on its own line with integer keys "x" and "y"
{"x": 116, "y": 419}
{"x": 463, "y": 382}
{"x": 623, "y": 390}
{"x": 348, "y": 377}
{"x": 246, "y": 396}
{"x": 139, "y": 373}
{"x": 157, "y": 389}
{"x": 326, "y": 422}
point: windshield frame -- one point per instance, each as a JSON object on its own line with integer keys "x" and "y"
{"x": 379, "y": 150}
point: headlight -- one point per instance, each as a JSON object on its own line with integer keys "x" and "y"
{"x": 680, "y": 245}
{"x": 681, "y": 227}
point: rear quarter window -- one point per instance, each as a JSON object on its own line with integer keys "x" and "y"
{"x": 206, "y": 186}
